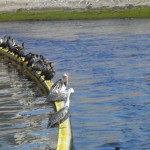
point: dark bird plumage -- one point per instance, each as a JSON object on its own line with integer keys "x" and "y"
{"x": 28, "y": 57}
{"x": 5, "y": 41}
{"x": 34, "y": 58}
{"x": 58, "y": 117}
{"x": 21, "y": 51}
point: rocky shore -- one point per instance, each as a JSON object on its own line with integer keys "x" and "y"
{"x": 16, "y": 5}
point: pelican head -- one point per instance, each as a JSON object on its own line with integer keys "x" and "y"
{"x": 65, "y": 79}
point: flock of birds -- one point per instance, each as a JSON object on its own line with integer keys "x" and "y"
{"x": 59, "y": 90}
{"x": 36, "y": 61}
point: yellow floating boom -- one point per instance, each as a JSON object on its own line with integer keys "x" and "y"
{"x": 64, "y": 130}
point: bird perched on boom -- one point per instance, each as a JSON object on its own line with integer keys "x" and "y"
{"x": 60, "y": 116}
{"x": 48, "y": 71}
{"x": 5, "y": 41}
{"x": 58, "y": 91}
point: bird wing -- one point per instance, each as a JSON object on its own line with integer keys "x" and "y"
{"x": 56, "y": 86}
{"x": 58, "y": 117}
{"x": 56, "y": 94}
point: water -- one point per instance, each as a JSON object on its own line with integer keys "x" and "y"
{"x": 108, "y": 65}
{"x": 23, "y": 114}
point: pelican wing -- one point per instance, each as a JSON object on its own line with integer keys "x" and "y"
{"x": 56, "y": 86}
{"x": 60, "y": 96}
{"x": 58, "y": 117}
{"x": 56, "y": 93}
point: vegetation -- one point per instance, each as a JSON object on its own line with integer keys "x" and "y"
{"x": 22, "y": 15}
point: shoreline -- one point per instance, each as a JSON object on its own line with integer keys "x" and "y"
{"x": 45, "y": 14}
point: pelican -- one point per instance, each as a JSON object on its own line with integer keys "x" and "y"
{"x": 58, "y": 91}
{"x": 60, "y": 116}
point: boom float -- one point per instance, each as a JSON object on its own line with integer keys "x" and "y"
{"x": 64, "y": 130}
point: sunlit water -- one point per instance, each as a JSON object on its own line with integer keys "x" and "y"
{"x": 108, "y": 63}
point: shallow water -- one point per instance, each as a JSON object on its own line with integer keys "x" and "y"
{"x": 108, "y": 65}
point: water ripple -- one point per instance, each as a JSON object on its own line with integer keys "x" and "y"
{"x": 24, "y": 116}
{"x": 108, "y": 65}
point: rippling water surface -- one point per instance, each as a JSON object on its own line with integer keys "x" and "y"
{"x": 108, "y": 62}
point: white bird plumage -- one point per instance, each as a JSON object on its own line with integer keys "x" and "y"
{"x": 58, "y": 91}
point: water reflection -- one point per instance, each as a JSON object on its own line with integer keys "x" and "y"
{"x": 23, "y": 113}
